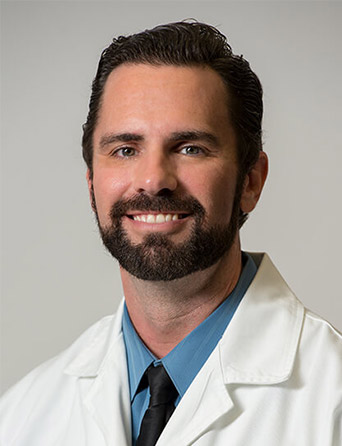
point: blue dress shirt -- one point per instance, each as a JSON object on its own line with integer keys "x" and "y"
{"x": 185, "y": 360}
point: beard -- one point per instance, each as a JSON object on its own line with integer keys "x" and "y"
{"x": 157, "y": 258}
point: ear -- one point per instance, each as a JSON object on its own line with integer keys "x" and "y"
{"x": 254, "y": 183}
{"x": 90, "y": 189}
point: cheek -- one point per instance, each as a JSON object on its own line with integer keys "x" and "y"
{"x": 222, "y": 206}
{"x": 216, "y": 192}
{"x": 108, "y": 189}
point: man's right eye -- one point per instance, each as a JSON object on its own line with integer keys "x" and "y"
{"x": 125, "y": 152}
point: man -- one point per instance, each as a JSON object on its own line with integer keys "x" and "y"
{"x": 209, "y": 346}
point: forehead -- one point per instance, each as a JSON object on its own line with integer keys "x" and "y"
{"x": 161, "y": 96}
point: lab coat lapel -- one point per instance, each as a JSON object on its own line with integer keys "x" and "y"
{"x": 260, "y": 343}
{"x": 106, "y": 398}
{"x": 206, "y": 400}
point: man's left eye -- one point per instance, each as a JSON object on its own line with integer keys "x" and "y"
{"x": 191, "y": 150}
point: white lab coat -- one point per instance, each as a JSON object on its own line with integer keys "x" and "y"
{"x": 274, "y": 379}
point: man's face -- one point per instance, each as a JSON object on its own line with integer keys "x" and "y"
{"x": 165, "y": 170}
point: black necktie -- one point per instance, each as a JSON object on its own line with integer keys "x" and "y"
{"x": 161, "y": 406}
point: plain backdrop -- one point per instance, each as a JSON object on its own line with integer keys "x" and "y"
{"x": 57, "y": 278}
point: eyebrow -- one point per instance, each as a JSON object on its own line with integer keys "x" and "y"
{"x": 194, "y": 135}
{"x": 119, "y": 137}
{"x": 187, "y": 135}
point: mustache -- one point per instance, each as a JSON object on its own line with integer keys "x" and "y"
{"x": 162, "y": 204}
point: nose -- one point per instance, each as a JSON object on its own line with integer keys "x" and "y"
{"x": 155, "y": 174}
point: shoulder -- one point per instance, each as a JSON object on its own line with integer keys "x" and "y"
{"x": 313, "y": 345}
{"x": 48, "y": 386}
{"x": 317, "y": 374}
{"x": 321, "y": 341}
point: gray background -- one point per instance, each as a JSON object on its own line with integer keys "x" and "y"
{"x": 56, "y": 277}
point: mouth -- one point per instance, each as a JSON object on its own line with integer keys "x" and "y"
{"x": 157, "y": 218}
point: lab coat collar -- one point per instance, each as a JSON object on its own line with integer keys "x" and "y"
{"x": 92, "y": 358}
{"x": 261, "y": 341}
{"x": 258, "y": 347}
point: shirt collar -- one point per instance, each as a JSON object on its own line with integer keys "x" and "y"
{"x": 187, "y": 358}
{"x": 138, "y": 355}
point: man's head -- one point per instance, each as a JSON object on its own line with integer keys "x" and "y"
{"x": 174, "y": 130}
{"x": 188, "y": 44}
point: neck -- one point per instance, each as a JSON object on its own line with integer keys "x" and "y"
{"x": 164, "y": 313}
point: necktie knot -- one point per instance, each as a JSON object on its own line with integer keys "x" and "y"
{"x": 161, "y": 405}
{"x": 162, "y": 388}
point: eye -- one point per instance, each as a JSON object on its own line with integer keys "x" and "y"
{"x": 191, "y": 150}
{"x": 125, "y": 152}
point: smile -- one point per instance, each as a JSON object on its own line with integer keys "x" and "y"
{"x": 157, "y": 218}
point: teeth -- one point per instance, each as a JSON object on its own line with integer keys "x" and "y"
{"x": 152, "y": 218}
{"x": 160, "y": 218}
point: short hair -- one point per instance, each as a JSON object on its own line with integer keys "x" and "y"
{"x": 187, "y": 43}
